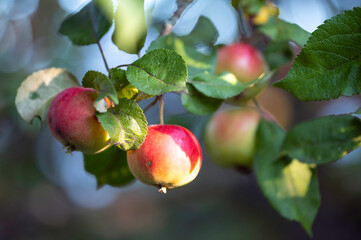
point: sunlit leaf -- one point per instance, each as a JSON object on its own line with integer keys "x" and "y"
{"x": 290, "y": 185}
{"x": 37, "y": 90}
{"x": 222, "y": 86}
{"x": 125, "y": 124}
{"x": 130, "y": 28}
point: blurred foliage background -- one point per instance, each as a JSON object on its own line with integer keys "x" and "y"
{"x": 46, "y": 194}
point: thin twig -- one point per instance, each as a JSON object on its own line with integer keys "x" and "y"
{"x": 169, "y": 24}
{"x": 151, "y": 104}
{"x": 243, "y": 26}
{"x": 99, "y": 46}
{"x": 161, "y": 109}
{"x": 102, "y": 53}
{"x": 264, "y": 114}
{"x": 122, "y": 65}
{"x": 257, "y": 105}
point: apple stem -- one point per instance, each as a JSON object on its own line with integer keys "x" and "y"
{"x": 122, "y": 65}
{"x": 264, "y": 114}
{"x": 69, "y": 149}
{"x": 163, "y": 190}
{"x": 151, "y": 104}
{"x": 102, "y": 53}
{"x": 100, "y": 47}
{"x": 161, "y": 109}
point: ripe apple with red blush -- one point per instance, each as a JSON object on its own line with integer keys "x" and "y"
{"x": 247, "y": 64}
{"x": 241, "y": 59}
{"x": 72, "y": 121}
{"x": 170, "y": 157}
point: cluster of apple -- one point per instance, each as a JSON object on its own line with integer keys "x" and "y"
{"x": 170, "y": 155}
{"x": 231, "y": 134}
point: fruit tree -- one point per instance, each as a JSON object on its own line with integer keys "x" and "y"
{"x": 100, "y": 115}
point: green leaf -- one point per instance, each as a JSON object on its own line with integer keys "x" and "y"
{"x": 197, "y": 62}
{"x": 125, "y": 124}
{"x": 329, "y": 65}
{"x": 278, "y": 53}
{"x": 37, "y": 91}
{"x": 157, "y": 72}
{"x": 100, "y": 82}
{"x": 222, "y": 86}
{"x": 123, "y": 88}
{"x": 90, "y": 24}
{"x": 281, "y": 30}
{"x": 109, "y": 167}
{"x": 204, "y": 33}
{"x": 130, "y": 28}
{"x": 323, "y": 140}
{"x": 197, "y": 103}
{"x": 290, "y": 185}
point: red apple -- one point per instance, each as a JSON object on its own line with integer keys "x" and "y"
{"x": 72, "y": 121}
{"x": 241, "y": 59}
{"x": 247, "y": 64}
{"x": 230, "y": 137}
{"x": 170, "y": 157}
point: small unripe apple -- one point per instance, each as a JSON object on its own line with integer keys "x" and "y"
{"x": 241, "y": 59}
{"x": 72, "y": 121}
{"x": 170, "y": 157}
{"x": 230, "y": 137}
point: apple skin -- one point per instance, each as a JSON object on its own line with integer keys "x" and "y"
{"x": 72, "y": 121}
{"x": 241, "y": 59}
{"x": 170, "y": 157}
{"x": 230, "y": 137}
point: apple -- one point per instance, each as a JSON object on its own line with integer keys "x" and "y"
{"x": 230, "y": 137}
{"x": 170, "y": 157}
{"x": 72, "y": 121}
{"x": 247, "y": 64}
{"x": 241, "y": 59}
